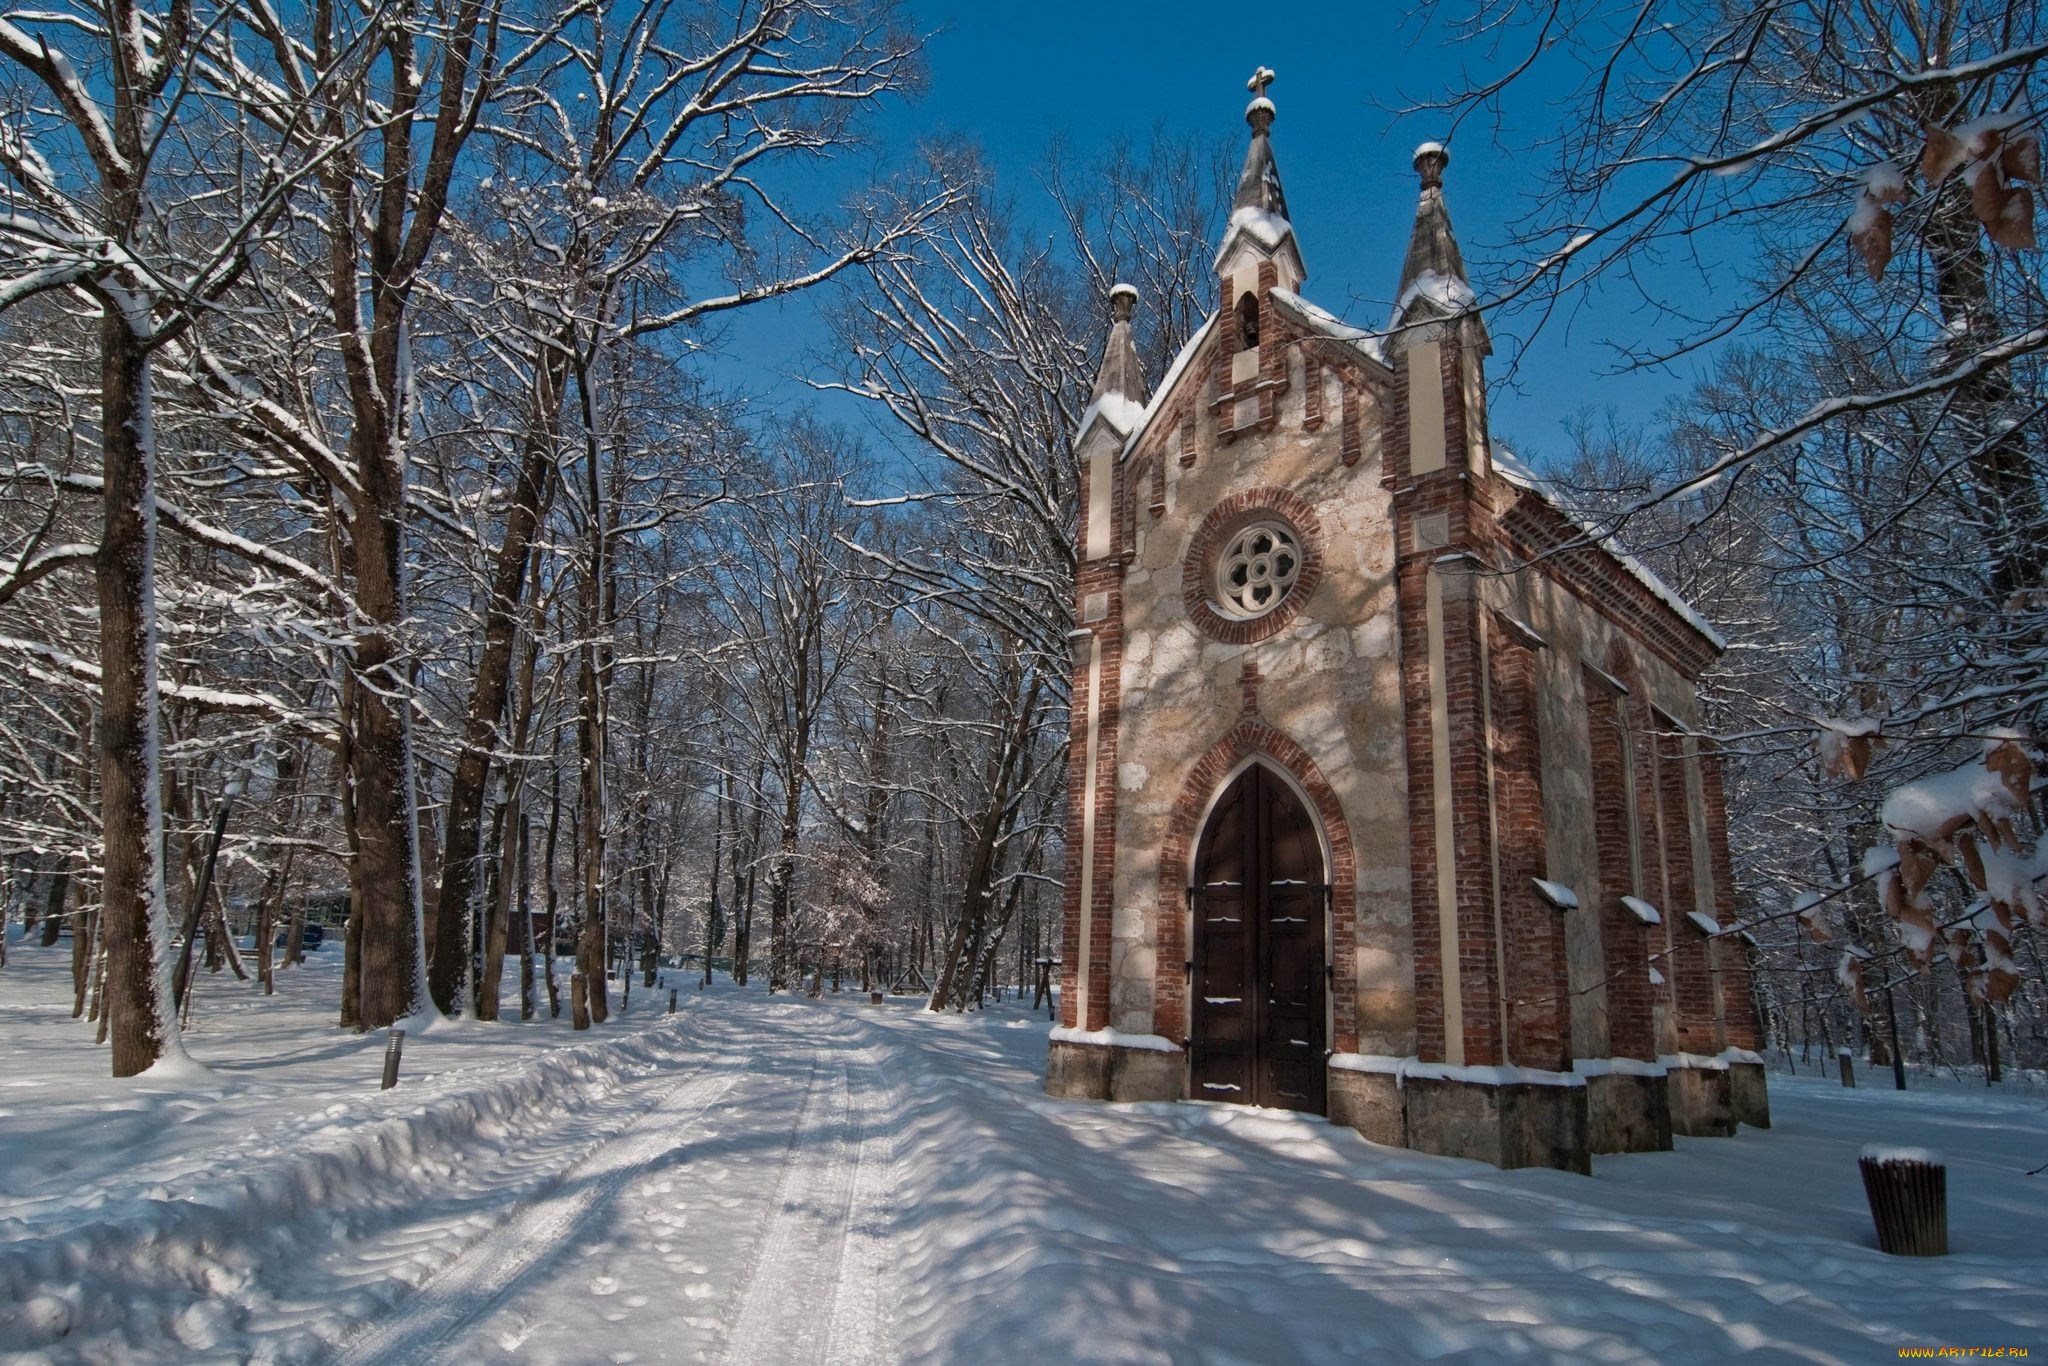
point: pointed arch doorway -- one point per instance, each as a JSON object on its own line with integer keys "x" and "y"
{"x": 1260, "y": 906}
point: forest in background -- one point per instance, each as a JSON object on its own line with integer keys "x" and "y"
{"x": 369, "y": 519}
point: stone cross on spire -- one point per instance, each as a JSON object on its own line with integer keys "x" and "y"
{"x": 1261, "y": 78}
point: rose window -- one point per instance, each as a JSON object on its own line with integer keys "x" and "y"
{"x": 1256, "y": 569}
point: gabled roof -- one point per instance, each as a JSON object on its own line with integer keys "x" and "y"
{"x": 1322, "y": 323}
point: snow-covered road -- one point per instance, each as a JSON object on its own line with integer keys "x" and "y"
{"x": 737, "y": 1216}
{"x": 793, "y": 1181}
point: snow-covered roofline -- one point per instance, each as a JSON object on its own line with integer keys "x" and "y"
{"x": 1372, "y": 345}
{"x": 1166, "y": 386}
{"x": 1263, "y": 226}
{"x": 1120, "y": 412}
{"x": 1511, "y": 468}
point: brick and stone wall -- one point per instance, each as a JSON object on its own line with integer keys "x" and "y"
{"x": 1325, "y": 697}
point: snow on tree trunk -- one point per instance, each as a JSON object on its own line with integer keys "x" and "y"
{"x": 141, "y": 1025}
{"x": 381, "y": 769}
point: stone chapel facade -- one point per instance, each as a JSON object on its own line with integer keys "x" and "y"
{"x": 1386, "y": 800}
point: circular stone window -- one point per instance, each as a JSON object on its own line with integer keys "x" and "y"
{"x": 1255, "y": 570}
{"x": 1252, "y": 565}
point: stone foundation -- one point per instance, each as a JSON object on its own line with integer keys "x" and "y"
{"x": 1514, "y": 1125}
{"x": 1088, "y": 1071}
{"x": 1370, "y": 1102}
{"x": 1700, "y": 1104}
{"x": 1748, "y": 1097}
{"x": 1628, "y": 1113}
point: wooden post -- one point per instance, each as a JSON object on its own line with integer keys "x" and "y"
{"x": 671, "y": 1000}
{"x": 579, "y": 1002}
{"x": 1908, "y": 1193}
{"x": 392, "y": 1050}
{"x": 1044, "y": 987}
{"x": 1848, "y": 1066}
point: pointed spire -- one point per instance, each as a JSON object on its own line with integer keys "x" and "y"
{"x": 1258, "y": 185}
{"x": 1119, "y": 395}
{"x": 1259, "y": 208}
{"x": 1433, "y": 280}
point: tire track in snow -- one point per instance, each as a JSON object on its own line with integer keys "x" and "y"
{"x": 492, "y": 1270}
{"x": 861, "y": 1309}
{"x": 797, "y": 1301}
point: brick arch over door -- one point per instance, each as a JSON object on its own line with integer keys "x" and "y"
{"x": 1253, "y": 738}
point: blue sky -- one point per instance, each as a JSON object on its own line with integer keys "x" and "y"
{"x": 1010, "y": 76}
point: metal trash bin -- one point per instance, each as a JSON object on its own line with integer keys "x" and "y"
{"x": 1908, "y": 1193}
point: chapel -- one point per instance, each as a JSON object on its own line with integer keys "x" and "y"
{"x": 1387, "y": 800}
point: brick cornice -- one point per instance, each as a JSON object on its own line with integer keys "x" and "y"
{"x": 1538, "y": 535}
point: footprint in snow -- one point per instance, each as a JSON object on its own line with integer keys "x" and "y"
{"x": 604, "y": 1285}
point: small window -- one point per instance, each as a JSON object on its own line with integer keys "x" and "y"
{"x": 1256, "y": 569}
{"x": 1247, "y": 323}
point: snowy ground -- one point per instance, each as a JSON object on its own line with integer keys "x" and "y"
{"x": 756, "y": 1181}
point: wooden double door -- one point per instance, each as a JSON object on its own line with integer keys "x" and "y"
{"x": 1260, "y": 903}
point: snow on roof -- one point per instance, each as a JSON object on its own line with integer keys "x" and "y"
{"x": 1512, "y": 469}
{"x": 1121, "y": 412}
{"x": 1557, "y": 894}
{"x": 1166, "y": 385}
{"x": 1708, "y": 925}
{"x": 1642, "y": 910}
{"x": 1369, "y": 344}
{"x": 1263, "y": 226}
{"x": 1447, "y": 294}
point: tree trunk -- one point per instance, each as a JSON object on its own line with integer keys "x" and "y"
{"x": 489, "y": 981}
{"x": 132, "y": 899}
{"x": 781, "y": 952}
{"x": 713, "y": 911}
{"x": 54, "y": 887}
{"x": 352, "y": 935}
{"x": 491, "y": 687}
{"x": 382, "y": 768}
{"x": 978, "y": 891}
{"x": 591, "y": 954}
{"x": 526, "y": 924}
{"x": 84, "y": 950}
{"x": 1985, "y": 411}
{"x": 548, "y": 880}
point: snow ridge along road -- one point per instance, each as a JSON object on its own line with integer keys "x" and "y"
{"x": 497, "y": 1267}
